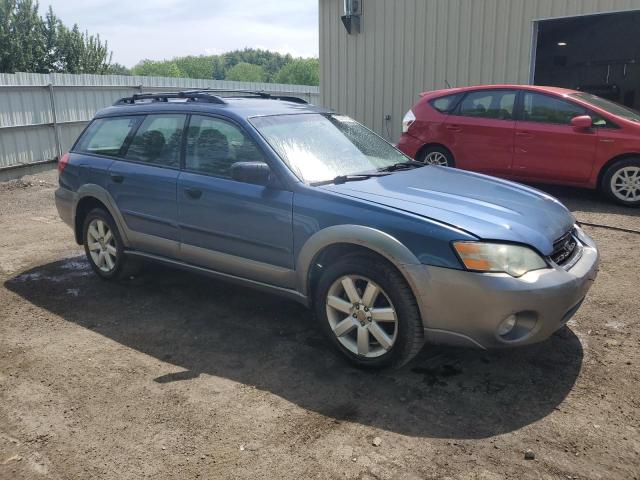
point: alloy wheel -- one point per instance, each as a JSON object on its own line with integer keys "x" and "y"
{"x": 625, "y": 184}
{"x": 102, "y": 245}
{"x": 361, "y": 316}
{"x": 436, "y": 158}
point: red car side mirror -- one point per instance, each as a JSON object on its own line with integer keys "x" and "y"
{"x": 582, "y": 122}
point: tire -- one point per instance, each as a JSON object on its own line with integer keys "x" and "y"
{"x": 103, "y": 246}
{"x": 436, "y": 156}
{"x": 402, "y": 325}
{"x": 621, "y": 182}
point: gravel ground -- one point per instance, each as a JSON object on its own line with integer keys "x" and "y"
{"x": 172, "y": 375}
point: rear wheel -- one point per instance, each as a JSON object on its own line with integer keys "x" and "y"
{"x": 369, "y": 313}
{"x": 103, "y": 245}
{"x": 436, "y": 156}
{"x": 621, "y": 182}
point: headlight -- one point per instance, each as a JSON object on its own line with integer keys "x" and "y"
{"x": 582, "y": 236}
{"x": 496, "y": 257}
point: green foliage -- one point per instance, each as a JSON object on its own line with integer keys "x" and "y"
{"x": 301, "y": 71}
{"x": 245, "y": 72}
{"x": 271, "y": 62}
{"x": 248, "y": 65}
{"x": 157, "y": 68}
{"x": 200, "y": 66}
{"x": 117, "y": 69}
{"x": 29, "y": 43}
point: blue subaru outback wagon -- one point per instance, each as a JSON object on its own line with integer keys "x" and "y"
{"x": 273, "y": 193}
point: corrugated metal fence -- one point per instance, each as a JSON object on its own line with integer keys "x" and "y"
{"x": 41, "y": 115}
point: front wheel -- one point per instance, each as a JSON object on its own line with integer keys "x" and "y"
{"x": 621, "y": 182}
{"x": 369, "y": 313}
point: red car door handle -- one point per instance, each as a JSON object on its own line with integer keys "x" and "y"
{"x": 454, "y": 128}
{"x": 524, "y": 135}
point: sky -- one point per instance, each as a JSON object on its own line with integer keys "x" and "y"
{"x": 163, "y": 29}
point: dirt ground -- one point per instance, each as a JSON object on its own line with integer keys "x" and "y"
{"x": 175, "y": 376}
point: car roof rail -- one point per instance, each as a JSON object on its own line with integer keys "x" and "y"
{"x": 256, "y": 93}
{"x": 190, "y": 95}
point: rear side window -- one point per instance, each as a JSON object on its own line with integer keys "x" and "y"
{"x": 213, "y": 145}
{"x": 495, "y": 104}
{"x": 107, "y": 136}
{"x": 445, "y": 104}
{"x": 158, "y": 140}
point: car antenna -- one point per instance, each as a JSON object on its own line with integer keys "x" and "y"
{"x": 448, "y": 84}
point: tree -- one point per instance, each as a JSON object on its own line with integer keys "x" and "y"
{"x": 300, "y": 72}
{"x": 271, "y": 62}
{"x": 29, "y": 43}
{"x": 200, "y": 66}
{"x": 22, "y": 46}
{"x": 117, "y": 69}
{"x": 154, "y": 68}
{"x": 245, "y": 72}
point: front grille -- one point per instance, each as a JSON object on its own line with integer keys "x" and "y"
{"x": 565, "y": 249}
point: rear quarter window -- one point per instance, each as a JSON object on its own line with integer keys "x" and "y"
{"x": 445, "y": 104}
{"x": 107, "y": 136}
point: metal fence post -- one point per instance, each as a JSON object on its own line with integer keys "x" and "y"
{"x": 55, "y": 120}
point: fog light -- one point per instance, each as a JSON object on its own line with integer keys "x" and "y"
{"x": 507, "y": 325}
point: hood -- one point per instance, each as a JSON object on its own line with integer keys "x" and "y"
{"x": 487, "y": 207}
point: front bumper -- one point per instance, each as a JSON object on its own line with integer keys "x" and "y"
{"x": 466, "y": 308}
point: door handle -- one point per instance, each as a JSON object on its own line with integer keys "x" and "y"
{"x": 117, "y": 178}
{"x": 193, "y": 192}
{"x": 454, "y": 128}
{"x": 524, "y": 134}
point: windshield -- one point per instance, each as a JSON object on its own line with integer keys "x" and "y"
{"x": 320, "y": 147}
{"x": 608, "y": 106}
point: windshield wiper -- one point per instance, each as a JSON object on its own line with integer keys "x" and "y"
{"x": 356, "y": 177}
{"x": 396, "y": 167}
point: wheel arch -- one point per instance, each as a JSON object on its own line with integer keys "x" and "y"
{"x": 603, "y": 170}
{"x": 92, "y": 196}
{"x": 344, "y": 239}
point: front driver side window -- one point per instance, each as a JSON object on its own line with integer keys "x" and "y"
{"x": 213, "y": 145}
{"x": 546, "y": 109}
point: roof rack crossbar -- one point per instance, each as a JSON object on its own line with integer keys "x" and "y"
{"x": 257, "y": 93}
{"x": 165, "y": 96}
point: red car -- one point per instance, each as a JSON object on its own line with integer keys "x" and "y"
{"x": 529, "y": 134}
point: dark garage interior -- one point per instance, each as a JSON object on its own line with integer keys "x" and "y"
{"x": 599, "y": 54}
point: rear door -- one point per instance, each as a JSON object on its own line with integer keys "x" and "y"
{"x": 144, "y": 182}
{"x": 547, "y": 146}
{"x": 229, "y": 226}
{"x": 104, "y": 140}
{"x": 480, "y": 131}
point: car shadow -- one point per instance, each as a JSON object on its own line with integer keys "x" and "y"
{"x": 586, "y": 200}
{"x": 208, "y": 327}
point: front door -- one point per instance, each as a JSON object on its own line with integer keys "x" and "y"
{"x": 547, "y": 146}
{"x": 480, "y": 131}
{"x": 144, "y": 184}
{"x": 232, "y": 227}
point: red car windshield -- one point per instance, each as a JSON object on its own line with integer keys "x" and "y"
{"x": 608, "y": 106}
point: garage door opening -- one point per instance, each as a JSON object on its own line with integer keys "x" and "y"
{"x": 599, "y": 54}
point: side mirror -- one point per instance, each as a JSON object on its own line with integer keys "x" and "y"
{"x": 583, "y": 122}
{"x": 257, "y": 173}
